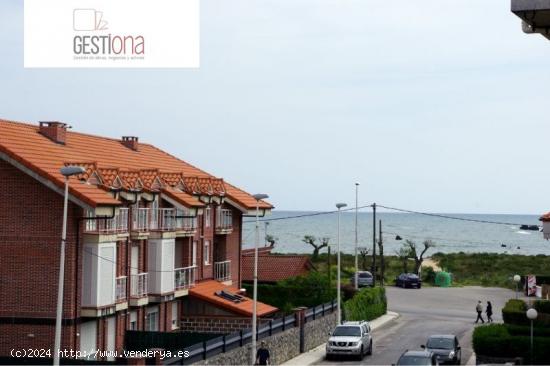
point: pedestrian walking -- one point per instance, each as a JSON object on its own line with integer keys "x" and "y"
{"x": 489, "y": 312}
{"x": 479, "y": 309}
{"x": 262, "y": 355}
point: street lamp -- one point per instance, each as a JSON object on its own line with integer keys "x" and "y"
{"x": 66, "y": 172}
{"x": 338, "y": 308}
{"x": 532, "y": 315}
{"x": 266, "y": 224}
{"x": 356, "y": 235}
{"x": 257, "y": 197}
{"x": 517, "y": 278}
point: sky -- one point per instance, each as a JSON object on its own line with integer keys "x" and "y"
{"x": 432, "y": 105}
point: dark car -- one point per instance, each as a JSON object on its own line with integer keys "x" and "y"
{"x": 446, "y": 348}
{"x": 408, "y": 280}
{"x": 424, "y": 358}
{"x": 364, "y": 278}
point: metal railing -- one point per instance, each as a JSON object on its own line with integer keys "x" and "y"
{"x": 162, "y": 219}
{"x": 138, "y": 285}
{"x": 140, "y": 219}
{"x": 117, "y": 224}
{"x": 120, "y": 293}
{"x": 185, "y": 277}
{"x": 185, "y": 223}
{"x": 222, "y": 271}
{"x": 209, "y": 348}
{"x": 224, "y": 219}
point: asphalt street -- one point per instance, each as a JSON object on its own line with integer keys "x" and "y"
{"x": 429, "y": 311}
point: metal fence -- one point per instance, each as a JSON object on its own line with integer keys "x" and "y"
{"x": 225, "y": 343}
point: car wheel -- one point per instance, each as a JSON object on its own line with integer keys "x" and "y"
{"x": 458, "y": 361}
{"x": 362, "y": 354}
{"x": 403, "y": 285}
{"x": 328, "y": 357}
{"x": 370, "y": 349}
{"x": 419, "y": 286}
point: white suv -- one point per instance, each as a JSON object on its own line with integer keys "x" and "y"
{"x": 350, "y": 338}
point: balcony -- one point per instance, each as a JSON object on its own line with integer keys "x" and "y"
{"x": 222, "y": 271}
{"x": 120, "y": 289}
{"x": 184, "y": 224}
{"x": 163, "y": 219}
{"x": 140, "y": 222}
{"x": 116, "y": 225}
{"x": 138, "y": 289}
{"x": 224, "y": 221}
{"x": 184, "y": 278}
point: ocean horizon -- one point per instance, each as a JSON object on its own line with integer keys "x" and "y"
{"x": 450, "y": 235}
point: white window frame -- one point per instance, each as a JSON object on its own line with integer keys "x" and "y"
{"x": 208, "y": 217}
{"x": 194, "y": 252}
{"x": 133, "y": 320}
{"x": 152, "y": 313}
{"x": 206, "y": 252}
{"x": 175, "y": 324}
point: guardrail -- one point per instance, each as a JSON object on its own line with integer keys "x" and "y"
{"x": 204, "y": 350}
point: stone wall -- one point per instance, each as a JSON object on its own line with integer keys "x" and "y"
{"x": 217, "y": 324}
{"x": 282, "y": 346}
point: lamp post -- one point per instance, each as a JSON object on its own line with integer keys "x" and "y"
{"x": 517, "y": 278}
{"x": 338, "y": 308}
{"x": 66, "y": 172}
{"x": 266, "y": 224}
{"x": 356, "y": 235}
{"x": 532, "y": 314}
{"x": 257, "y": 197}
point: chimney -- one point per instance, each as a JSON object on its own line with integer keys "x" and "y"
{"x": 55, "y": 131}
{"x": 130, "y": 142}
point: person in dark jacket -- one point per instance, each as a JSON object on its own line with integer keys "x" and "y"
{"x": 262, "y": 355}
{"x": 489, "y": 312}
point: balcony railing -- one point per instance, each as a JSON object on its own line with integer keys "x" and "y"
{"x": 138, "y": 285}
{"x": 120, "y": 294}
{"x": 117, "y": 224}
{"x": 224, "y": 220}
{"x": 184, "y": 277}
{"x": 222, "y": 271}
{"x": 163, "y": 219}
{"x": 185, "y": 223}
{"x": 140, "y": 219}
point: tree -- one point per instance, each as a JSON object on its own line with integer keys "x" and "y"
{"x": 403, "y": 253}
{"x": 364, "y": 253}
{"x": 413, "y": 252}
{"x": 272, "y": 240}
{"x": 312, "y": 240}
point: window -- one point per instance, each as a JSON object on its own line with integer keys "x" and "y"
{"x": 206, "y": 252}
{"x": 175, "y": 315}
{"x": 207, "y": 217}
{"x": 152, "y": 319}
{"x": 133, "y": 320}
{"x": 194, "y": 254}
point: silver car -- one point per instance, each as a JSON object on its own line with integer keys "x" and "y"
{"x": 364, "y": 278}
{"x": 350, "y": 338}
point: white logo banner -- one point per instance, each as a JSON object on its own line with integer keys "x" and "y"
{"x": 112, "y": 33}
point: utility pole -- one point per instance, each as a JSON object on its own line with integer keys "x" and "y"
{"x": 381, "y": 250}
{"x": 328, "y": 260}
{"x": 356, "y": 282}
{"x": 374, "y": 244}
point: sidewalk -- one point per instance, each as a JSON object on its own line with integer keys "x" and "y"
{"x": 318, "y": 354}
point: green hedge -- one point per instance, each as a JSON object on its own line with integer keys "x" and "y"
{"x": 514, "y": 312}
{"x": 309, "y": 291}
{"x": 542, "y": 306}
{"x": 495, "y": 340}
{"x": 526, "y": 330}
{"x": 367, "y": 304}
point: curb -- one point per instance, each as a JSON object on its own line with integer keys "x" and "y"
{"x": 317, "y": 354}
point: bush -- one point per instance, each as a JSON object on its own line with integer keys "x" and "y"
{"x": 348, "y": 292}
{"x": 514, "y": 313}
{"x": 428, "y": 275}
{"x": 367, "y": 304}
{"x": 542, "y": 306}
{"x": 495, "y": 340}
{"x": 526, "y": 331}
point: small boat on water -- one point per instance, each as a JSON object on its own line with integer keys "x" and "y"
{"x": 529, "y": 227}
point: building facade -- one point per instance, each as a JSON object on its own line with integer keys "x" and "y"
{"x": 153, "y": 243}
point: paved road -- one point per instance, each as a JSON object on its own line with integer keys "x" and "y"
{"x": 430, "y": 311}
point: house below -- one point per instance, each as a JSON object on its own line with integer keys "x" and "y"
{"x": 273, "y": 267}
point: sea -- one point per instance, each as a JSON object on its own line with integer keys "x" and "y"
{"x": 449, "y": 235}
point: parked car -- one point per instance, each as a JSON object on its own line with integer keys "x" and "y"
{"x": 364, "y": 279}
{"x": 446, "y": 348}
{"x": 424, "y": 358}
{"x": 350, "y": 338}
{"x": 408, "y": 280}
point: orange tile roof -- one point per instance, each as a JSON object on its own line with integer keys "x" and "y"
{"x": 206, "y": 291}
{"x": 545, "y": 217}
{"x": 273, "y": 268}
{"x": 23, "y": 143}
{"x": 182, "y": 197}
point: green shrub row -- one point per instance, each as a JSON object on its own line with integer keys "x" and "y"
{"x": 495, "y": 340}
{"x": 542, "y": 306}
{"x": 514, "y": 312}
{"x": 367, "y": 304}
{"x": 526, "y": 330}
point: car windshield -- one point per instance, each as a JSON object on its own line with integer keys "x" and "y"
{"x": 412, "y": 276}
{"x": 365, "y": 275}
{"x": 441, "y": 343}
{"x": 347, "y": 332}
{"x": 414, "y": 360}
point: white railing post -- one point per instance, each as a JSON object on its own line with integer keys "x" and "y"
{"x": 222, "y": 271}
{"x": 138, "y": 285}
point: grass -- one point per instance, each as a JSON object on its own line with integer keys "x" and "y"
{"x": 468, "y": 269}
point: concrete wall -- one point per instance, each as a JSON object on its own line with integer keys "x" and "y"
{"x": 282, "y": 346}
